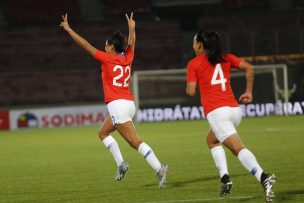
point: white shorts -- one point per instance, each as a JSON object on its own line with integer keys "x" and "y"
{"x": 121, "y": 110}
{"x": 224, "y": 121}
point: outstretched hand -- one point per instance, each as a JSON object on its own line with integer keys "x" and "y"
{"x": 65, "y": 23}
{"x": 246, "y": 98}
{"x": 131, "y": 22}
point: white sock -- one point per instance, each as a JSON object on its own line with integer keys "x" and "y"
{"x": 112, "y": 145}
{"x": 220, "y": 161}
{"x": 249, "y": 161}
{"x": 149, "y": 155}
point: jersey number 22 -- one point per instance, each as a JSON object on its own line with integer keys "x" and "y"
{"x": 120, "y": 75}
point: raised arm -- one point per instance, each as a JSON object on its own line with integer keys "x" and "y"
{"x": 77, "y": 38}
{"x": 131, "y": 25}
{"x": 248, "y": 69}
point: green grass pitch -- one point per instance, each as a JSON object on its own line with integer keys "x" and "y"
{"x": 72, "y": 164}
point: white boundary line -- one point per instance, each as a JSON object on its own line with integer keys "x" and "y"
{"x": 201, "y": 200}
{"x": 219, "y": 198}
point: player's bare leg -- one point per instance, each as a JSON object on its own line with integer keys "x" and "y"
{"x": 105, "y": 135}
{"x": 107, "y": 128}
{"x": 234, "y": 144}
{"x": 128, "y": 131}
{"x": 220, "y": 161}
{"x": 249, "y": 161}
{"x": 212, "y": 141}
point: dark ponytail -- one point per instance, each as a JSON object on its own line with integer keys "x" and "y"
{"x": 212, "y": 45}
{"x": 118, "y": 40}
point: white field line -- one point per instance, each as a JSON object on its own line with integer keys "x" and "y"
{"x": 219, "y": 198}
{"x": 201, "y": 200}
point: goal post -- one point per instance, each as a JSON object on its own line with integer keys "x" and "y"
{"x": 278, "y": 72}
{"x": 273, "y": 68}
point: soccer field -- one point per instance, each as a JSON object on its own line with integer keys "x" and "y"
{"x": 72, "y": 164}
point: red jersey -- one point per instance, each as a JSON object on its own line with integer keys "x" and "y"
{"x": 213, "y": 80}
{"x": 115, "y": 74}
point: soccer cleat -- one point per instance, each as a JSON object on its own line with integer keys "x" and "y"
{"x": 121, "y": 171}
{"x": 267, "y": 184}
{"x": 162, "y": 175}
{"x": 226, "y": 185}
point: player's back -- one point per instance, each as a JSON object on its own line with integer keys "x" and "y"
{"x": 214, "y": 81}
{"x": 116, "y": 72}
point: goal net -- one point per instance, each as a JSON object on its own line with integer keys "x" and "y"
{"x": 160, "y": 89}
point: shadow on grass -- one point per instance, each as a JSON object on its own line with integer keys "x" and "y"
{"x": 176, "y": 184}
{"x": 187, "y": 182}
{"x": 289, "y": 195}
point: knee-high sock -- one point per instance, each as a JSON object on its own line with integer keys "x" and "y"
{"x": 220, "y": 161}
{"x": 149, "y": 155}
{"x": 112, "y": 145}
{"x": 249, "y": 161}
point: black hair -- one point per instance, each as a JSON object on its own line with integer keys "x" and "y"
{"x": 118, "y": 40}
{"x": 212, "y": 44}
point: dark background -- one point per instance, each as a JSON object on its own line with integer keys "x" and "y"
{"x": 41, "y": 65}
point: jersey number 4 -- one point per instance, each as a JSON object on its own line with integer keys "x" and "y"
{"x": 218, "y": 71}
{"x": 120, "y": 75}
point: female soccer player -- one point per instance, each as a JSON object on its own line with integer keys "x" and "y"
{"x": 116, "y": 70}
{"x": 210, "y": 69}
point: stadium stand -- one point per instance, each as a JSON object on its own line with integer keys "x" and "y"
{"x": 50, "y": 87}
{"x": 119, "y": 6}
{"x": 262, "y": 34}
{"x": 48, "y": 47}
{"x": 33, "y": 46}
{"x": 39, "y": 12}
{"x": 46, "y": 54}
